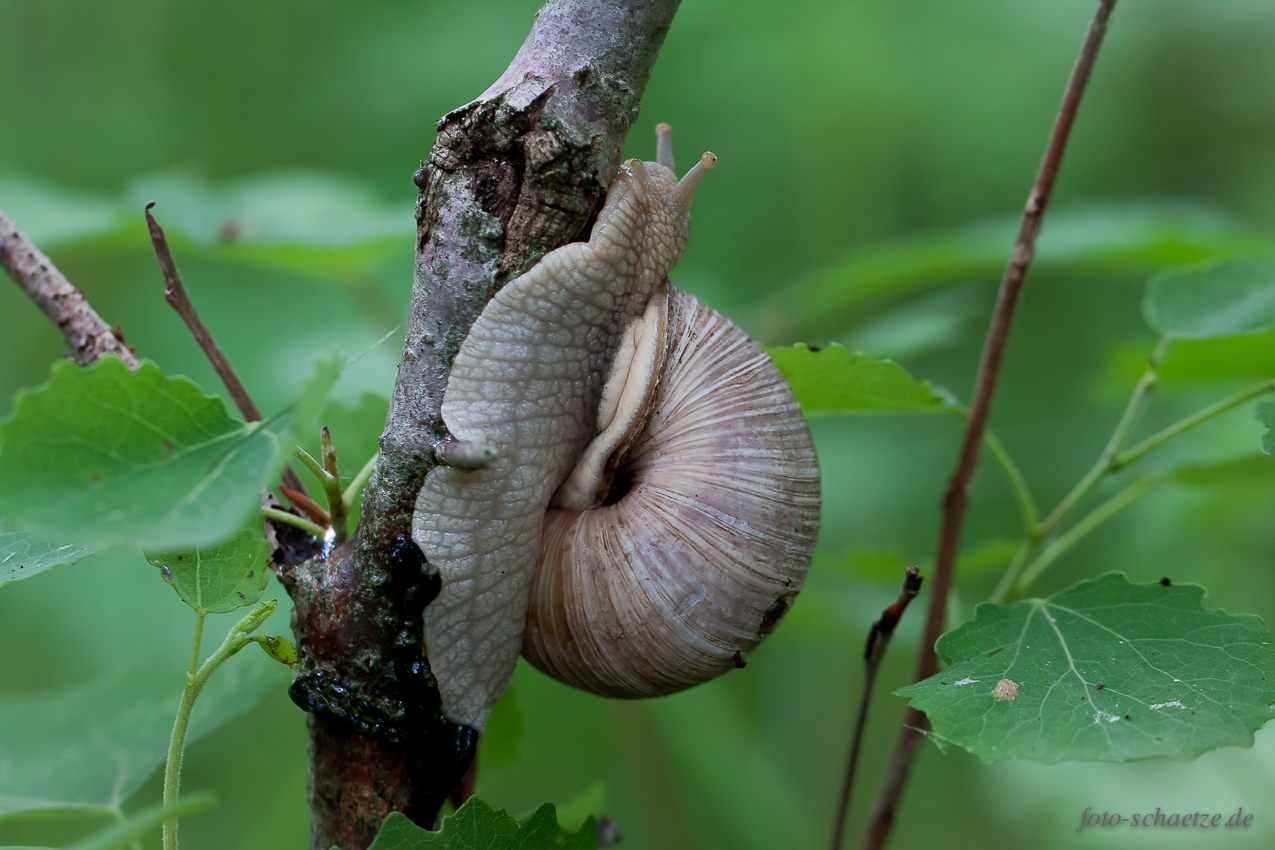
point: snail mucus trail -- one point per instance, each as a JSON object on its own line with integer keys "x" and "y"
{"x": 630, "y": 496}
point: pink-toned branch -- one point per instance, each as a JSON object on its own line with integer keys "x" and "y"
{"x": 956, "y": 499}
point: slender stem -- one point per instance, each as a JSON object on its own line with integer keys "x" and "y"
{"x": 1026, "y": 551}
{"x": 173, "y": 767}
{"x": 292, "y": 519}
{"x": 360, "y": 481}
{"x": 332, "y": 487}
{"x": 956, "y": 498}
{"x": 196, "y": 677}
{"x": 873, "y": 653}
{"x": 1112, "y": 460}
{"x": 175, "y": 294}
{"x": 1092, "y": 520}
{"x": 1180, "y": 427}
{"x": 314, "y": 466}
{"x": 1022, "y": 493}
{"x": 1150, "y": 377}
{"x": 87, "y": 336}
{"x": 236, "y": 639}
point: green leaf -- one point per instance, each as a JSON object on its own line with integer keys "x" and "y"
{"x": 1249, "y": 356}
{"x": 221, "y": 577}
{"x": 102, "y": 455}
{"x": 833, "y": 380}
{"x": 24, "y": 555}
{"x": 1250, "y": 468}
{"x": 1266, "y": 415}
{"x": 1136, "y": 235}
{"x": 135, "y": 826}
{"x": 579, "y": 808}
{"x": 51, "y": 215}
{"x": 91, "y": 745}
{"x": 477, "y": 826}
{"x": 1105, "y": 671}
{"x": 297, "y": 208}
{"x": 1213, "y": 299}
{"x": 503, "y": 734}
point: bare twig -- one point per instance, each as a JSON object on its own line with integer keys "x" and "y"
{"x": 873, "y": 653}
{"x": 175, "y": 295}
{"x": 956, "y": 499}
{"x": 87, "y": 336}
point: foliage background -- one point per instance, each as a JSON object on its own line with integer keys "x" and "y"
{"x": 868, "y": 130}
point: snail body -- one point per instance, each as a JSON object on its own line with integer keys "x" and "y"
{"x": 684, "y": 485}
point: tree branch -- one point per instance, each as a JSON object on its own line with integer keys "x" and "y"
{"x": 512, "y": 175}
{"x": 873, "y": 654}
{"x": 956, "y": 499}
{"x": 177, "y": 298}
{"x": 87, "y": 336}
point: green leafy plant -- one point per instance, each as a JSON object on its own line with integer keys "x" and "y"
{"x": 113, "y": 466}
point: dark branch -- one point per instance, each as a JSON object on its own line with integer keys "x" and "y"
{"x": 956, "y": 499}
{"x": 512, "y": 175}
{"x": 87, "y": 336}
{"x": 873, "y": 654}
{"x": 175, "y": 295}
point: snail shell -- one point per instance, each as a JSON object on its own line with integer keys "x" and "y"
{"x": 574, "y": 372}
{"x": 667, "y": 580}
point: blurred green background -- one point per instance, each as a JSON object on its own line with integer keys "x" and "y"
{"x": 874, "y": 157}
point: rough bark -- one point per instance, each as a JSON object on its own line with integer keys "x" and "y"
{"x": 512, "y": 175}
{"x": 87, "y": 336}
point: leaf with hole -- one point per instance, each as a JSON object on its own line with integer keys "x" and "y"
{"x": 834, "y": 380}
{"x": 1213, "y": 299}
{"x": 477, "y": 826}
{"x": 1102, "y": 671}
{"x": 220, "y": 577}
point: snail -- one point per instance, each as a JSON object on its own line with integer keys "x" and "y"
{"x": 630, "y": 494}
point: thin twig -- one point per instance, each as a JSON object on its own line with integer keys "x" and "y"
{"x": 175, "y": 295}
{"x": 1063, "y": 542}
{"x": 956, "y": 499}
{"x": 1180, "y": 427}
{"x": 87, "y": 336}
{"x": 1105, "y": 463}
{"x": 873, "y": 653}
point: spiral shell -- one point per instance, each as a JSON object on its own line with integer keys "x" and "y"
{"x": 671, "y": 583}
{"x": 585, "y": 372}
